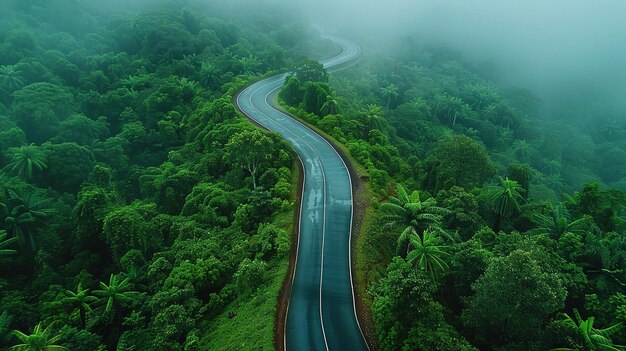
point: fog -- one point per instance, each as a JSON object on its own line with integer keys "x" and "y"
{"x": 572, "y": 53}
{"x": 568, "y": 52}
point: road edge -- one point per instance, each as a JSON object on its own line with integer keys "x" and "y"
{"x": 284, "y": 294}
{"x": 360, "y": 206}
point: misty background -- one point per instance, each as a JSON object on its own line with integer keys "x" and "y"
{"x": 570, "y": 53}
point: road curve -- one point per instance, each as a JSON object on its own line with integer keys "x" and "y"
{"x": 321, "y": 310}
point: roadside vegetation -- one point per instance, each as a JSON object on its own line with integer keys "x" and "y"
{"x": 139, "y": 210}
{"x": 492, "y": 226}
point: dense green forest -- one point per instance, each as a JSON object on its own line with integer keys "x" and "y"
{"x": 477, "y": 239}
{"x": 140, "y": 211}
{"x": 129, "y": 216}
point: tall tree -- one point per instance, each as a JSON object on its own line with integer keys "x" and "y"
{"x": 251, "y": 149}
{"x": 602, "y": 205}
{"x": 557, "y": 223}
{"x": 130, "y": 227}
{"x": 522, "y": 174}
{"x": 389, "y": 92}
{"x": 39, "y": 340}
{"x": 251, "y": 64}
{"x": 81, "y": 300}
{"x": 505, "y": 199}
{"x": 463, "y": 217}
{"x": 373, "y": 119}
{"x": 25, "y": 161}
{"x": 22, "y": 216}
{"x": 310, "y": 71}
{"x": 409, "y": 212}
{"x": 69, "y": 164}
{"x": 406, "y": 314}
{"x": 513, "y": 301}
{"x": 10, "y": 79}
{"x": 39, "y": 109}
{"x": 450, "y": 108}
{"x": 461, "y": 161}
{"x": 427, "y": 254}
{"x": 114, "y": 296}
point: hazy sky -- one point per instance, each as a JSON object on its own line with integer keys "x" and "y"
{"x": 560, "y": 48}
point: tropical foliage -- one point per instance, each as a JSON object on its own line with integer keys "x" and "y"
{"x": 487, "y": 250}
{"x": 39, "y": 340}
{"x": 138, "y": 209}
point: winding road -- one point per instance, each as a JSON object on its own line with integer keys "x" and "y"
{"x": 321, "y": 311}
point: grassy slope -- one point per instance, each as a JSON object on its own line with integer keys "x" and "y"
{"x": 253, "y": 326}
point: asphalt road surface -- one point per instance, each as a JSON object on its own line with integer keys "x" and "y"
{"x": 321, "y": 311}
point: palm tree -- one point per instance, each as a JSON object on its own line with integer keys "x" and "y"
{"x": 39, "y": 340}
{"x": 590, "y": 338}
{"x": 420, "y": 105}
{"x": 132, "y": 93}
{"x": 26, "y": 159}
{"x": 444, "y": 133}
{"x": 556, "y": 224}
{"x": 410, "y": 213}
{"x": 554, "y": 181}
{"x": 505, "y": 135}
{"x": 389, "y": 92}
{"x": 20, "y": 224}
{"x": 10, "y": 79}
{"x": 346, "y": 102}
{"x": 132, "y": 82}
{"x": 185, "y": 83}
{"x": 251, "y": 64}
{"x": 462, "y": 111}
{"x": 373, "y": 119}
{"x": 21, "y": 217}
{"x": 506, "y": 199}
{"x": 521, "y": 149}
{"x": 428, "y": 254}
{"x": 450, "y": 108}
{"x": 4, "y": 242}
{"x": 373, "y": 110}
{"x": 114, "y": 295}
{"x": 403, "y": 244}
{"x": 81, "y": 299}
{"x": 491, "y": 112}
